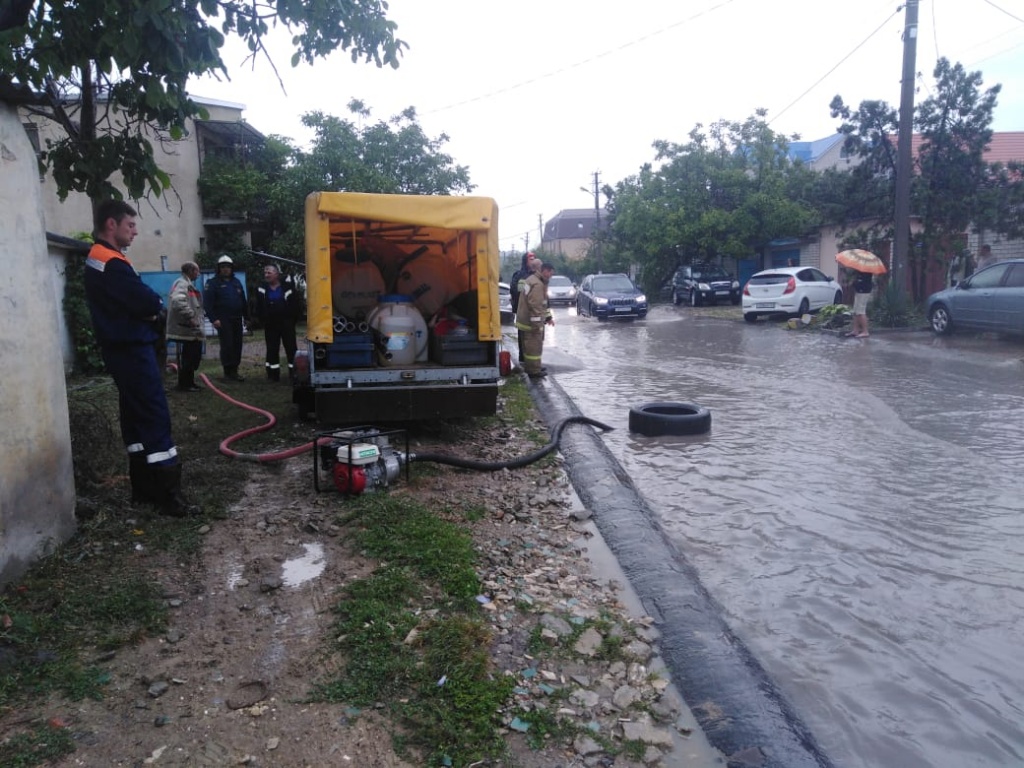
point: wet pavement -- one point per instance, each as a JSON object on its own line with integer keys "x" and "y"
{"x": 855, "y": 511}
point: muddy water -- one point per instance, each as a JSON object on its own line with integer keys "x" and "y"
{"x": 856, "y": 509}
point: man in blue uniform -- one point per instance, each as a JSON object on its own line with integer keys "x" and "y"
{"x": 126, "y": 316}
{"x": 225, "y": 305}
{"x": 277, "y": 306}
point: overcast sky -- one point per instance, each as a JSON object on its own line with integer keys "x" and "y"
{"x": 537, "y": 96}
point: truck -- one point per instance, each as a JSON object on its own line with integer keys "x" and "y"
{"x": 403, "y": 319}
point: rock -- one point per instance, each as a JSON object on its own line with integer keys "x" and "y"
{"x": 584, "y": 698}
{"x": 556, "y": 624}
{"x": 158, "y": 689}
{"x": 270, "y": 583}
{"x": 589, "y": 642}
{"x": 585, "y": 745}
{"x": 624, "y": 696}
{"x": 643, "y": 729}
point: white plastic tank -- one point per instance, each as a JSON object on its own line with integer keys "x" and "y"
{"x": 397, "y": 320}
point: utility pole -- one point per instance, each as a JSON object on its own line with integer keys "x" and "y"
{"x": 540, "y": 228}
{"x": 904, "y": 164}
{"x": 597, "y": 213}
{"x": 526, "y": 243}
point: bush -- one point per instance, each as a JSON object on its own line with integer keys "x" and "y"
{"x": 893, "y": 308}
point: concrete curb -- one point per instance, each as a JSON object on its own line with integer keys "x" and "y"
{"x": 732, "y": 698}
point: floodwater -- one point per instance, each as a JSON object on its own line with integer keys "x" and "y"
{"x": 856, "y": 509}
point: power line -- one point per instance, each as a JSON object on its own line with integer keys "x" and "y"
{"x": 837, "y": 65}
{"x": 582, "y": 63}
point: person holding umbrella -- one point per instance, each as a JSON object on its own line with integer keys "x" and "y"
{"x": 865, "y": 265}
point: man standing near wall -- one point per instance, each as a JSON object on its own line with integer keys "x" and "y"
{"x": 125, "y": 316}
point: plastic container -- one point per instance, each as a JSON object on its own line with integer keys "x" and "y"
{"x": 355, "y": 288}
{"x": 402, "y": 329}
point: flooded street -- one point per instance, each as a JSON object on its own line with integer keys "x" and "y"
{"x": 856, "y": 509}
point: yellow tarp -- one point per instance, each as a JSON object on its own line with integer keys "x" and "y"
{"x": 403, "y": 234}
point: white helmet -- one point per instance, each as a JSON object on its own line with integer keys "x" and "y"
{"x": 225, "y": 259}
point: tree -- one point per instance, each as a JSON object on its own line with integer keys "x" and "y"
{"x": 114, "y": 73}
{"x": 953, "y": 188}
{"x": 394, "y": 156}
{"x": 728, "y": 192}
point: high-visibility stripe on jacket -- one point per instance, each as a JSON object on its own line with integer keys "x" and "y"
{"x": 124, "y": 309}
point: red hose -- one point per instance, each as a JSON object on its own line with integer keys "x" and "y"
{"x": 271, "y": 421}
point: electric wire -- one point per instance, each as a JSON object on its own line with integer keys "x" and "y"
{"x": 834, "y": 68}
{"x": 582, "y": 62}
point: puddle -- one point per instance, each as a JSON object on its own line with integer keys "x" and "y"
{"x": 299, "y": 570}
{"x": 234, "y": 575}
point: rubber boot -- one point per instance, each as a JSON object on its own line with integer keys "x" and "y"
{"x": 144, "y": 486}
{"x": 171, "y": 501}
{"x": 274, "y": 374}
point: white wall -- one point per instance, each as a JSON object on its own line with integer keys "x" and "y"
{"x": 37, "y": 493}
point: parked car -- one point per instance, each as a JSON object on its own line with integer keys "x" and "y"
{"x": 610, "y": 296}
{"x": 561, "y": 291}
{"x": 704, "y": 284}
{"x": 789, "y": 291}
{"x": 505, "y": 302}
{"x": 991, "y": 299}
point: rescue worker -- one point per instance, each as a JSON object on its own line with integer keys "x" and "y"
{"x": 225, "y": 305}
{"x": 125, "y": 315}
{"x": 185, "y": 325}
{"x": 278, "y": 306}
{"x": 532, "y": 315}
{"x": 515, "y": 286}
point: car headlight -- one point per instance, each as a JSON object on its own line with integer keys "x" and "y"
{"x": 641, "y": 299}
{"x": 704, "y": 286}
{"x": 572, "y": 293}
{"x": 735, "y": 284}
{"x": 600, "y": 301}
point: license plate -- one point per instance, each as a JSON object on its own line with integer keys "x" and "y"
{"x": 721, "y": 293}
{"x": 764, "y": 306}
{"x": 623, "y": 309}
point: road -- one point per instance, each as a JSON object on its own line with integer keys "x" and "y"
{"x": 856, "y": 510}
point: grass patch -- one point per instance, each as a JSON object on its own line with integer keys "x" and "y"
{"x": 42, "y": 744}
{"x": 545, "y": 726}
{"x": 411, "y": 637}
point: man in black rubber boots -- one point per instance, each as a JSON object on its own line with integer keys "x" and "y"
{"x": 125, "y": 313}
{"x": 225, "y": 305}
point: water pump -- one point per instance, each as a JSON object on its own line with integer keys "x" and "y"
{"x": 360, "y": 459}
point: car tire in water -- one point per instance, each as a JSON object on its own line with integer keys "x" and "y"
{"x": 655, "y": 419}
{"x": 694, "y": 299}
{"x": 838, "y": 298}
{"x": 940, "y": 320}
{"x": 676, "y": 298}
{"x": 805, "y": 307}
{"x": 750, "y": 317}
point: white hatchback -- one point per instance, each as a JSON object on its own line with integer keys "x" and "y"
{"x": 789, "y": 291}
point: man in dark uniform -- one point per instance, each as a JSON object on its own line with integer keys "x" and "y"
{"x": 126, "y": 314}
{"x": 225, "y": 305}
{"x": 278, "y": 306}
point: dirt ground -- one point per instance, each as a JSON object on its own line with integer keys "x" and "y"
{"x": 227, "y": 683}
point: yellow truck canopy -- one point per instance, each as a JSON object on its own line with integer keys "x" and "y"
{"x": 456, "y": 236}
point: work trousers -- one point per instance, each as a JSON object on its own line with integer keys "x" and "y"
{"x": 145, "y": 417}
{"x": 189, "y": 356}
{"x": 279, "y": 331}
{"x": 230, "y": 335}
{"x": 531, "y": 347}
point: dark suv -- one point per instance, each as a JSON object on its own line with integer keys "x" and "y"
{"x": 704, "y": 284}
